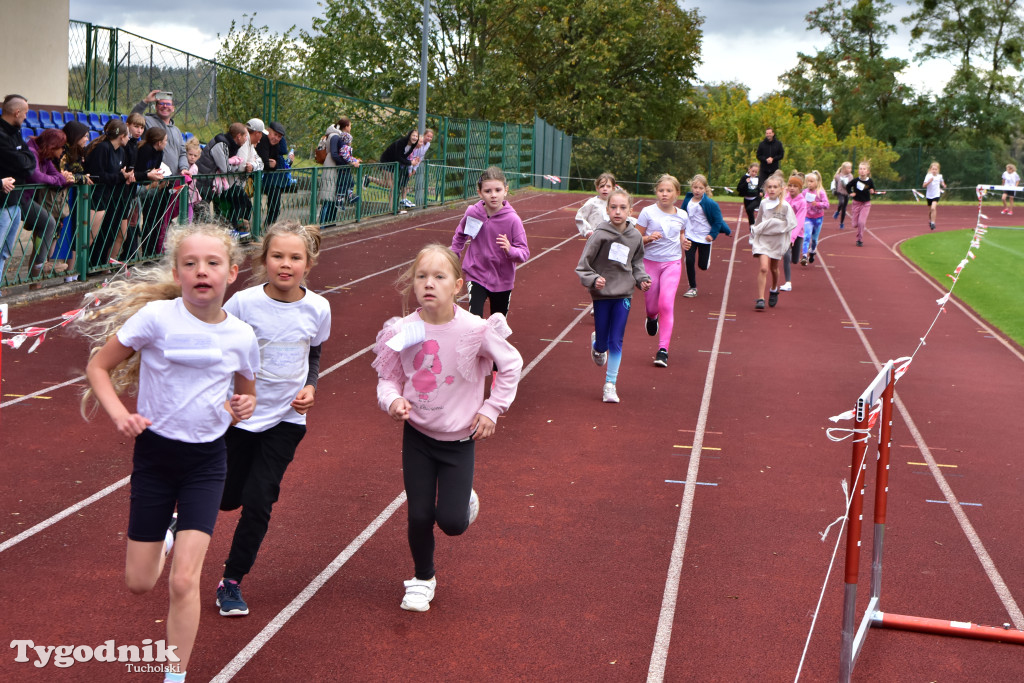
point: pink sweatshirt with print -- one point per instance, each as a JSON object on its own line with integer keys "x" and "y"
{"x": 441, "y": 370}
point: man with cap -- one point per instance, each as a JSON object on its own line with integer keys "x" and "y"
{"x": 174, "y": 152}
{"x": 248, "y": 151}
{"x": 274, "y": 150}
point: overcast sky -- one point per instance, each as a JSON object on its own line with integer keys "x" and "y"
{"x": 737, "y": 46}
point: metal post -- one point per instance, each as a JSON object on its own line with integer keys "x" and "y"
{"x": 183, "y": 205}
{"x": 89, "y": 67}
{"x": 359, "y": 191}
{"x": 853, "y": 535}
{"x": 83, "y": 201}
{"x": 256, "y": 219}
{"x": 639, "y": 156}
{"x": 112, "y": 72}
{"x": 421, "y": 121}
{"x": 314, "y": 197}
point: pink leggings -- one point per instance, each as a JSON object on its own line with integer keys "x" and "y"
{"x": 859, "y": 214}
{"x": 660, "y": 299}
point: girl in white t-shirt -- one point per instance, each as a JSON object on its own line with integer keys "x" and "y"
{"x": 664, "y": 228}
{"x": 594, "y": 211}
{"x": 933, "y": 184}
{"x": 194, "y": 364}
{"x": 291, "y": 323}
{"x": 1011, "y": 178}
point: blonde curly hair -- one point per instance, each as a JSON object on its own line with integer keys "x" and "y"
{"x": 108, "y": 308}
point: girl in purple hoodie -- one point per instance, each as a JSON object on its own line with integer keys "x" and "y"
{"x": 491, "y": 242}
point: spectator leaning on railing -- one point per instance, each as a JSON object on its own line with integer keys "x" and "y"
{"x": 16, "y": 164}
{"x": 174, "y": 153}
{"x": 47, "y": 147}
{"x": 223, "y": 154}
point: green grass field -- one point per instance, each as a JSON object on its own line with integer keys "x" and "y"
{"x": 992, "y": 284}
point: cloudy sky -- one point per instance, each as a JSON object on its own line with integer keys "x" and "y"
{"x": 738, "y": 46}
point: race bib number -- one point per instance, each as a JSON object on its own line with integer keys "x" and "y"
{"x": 284, "y": 360}
{"x": 860, "y": 186}
{"x": 619, "y": 253}
{"x": 196, "y": 350}
{"x": 472, "y": 226}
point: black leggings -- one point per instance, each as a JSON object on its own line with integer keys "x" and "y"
{"x": 750, "y": 205}
{"x": 256, "y": 465}
{"x": 698, "y": 254}
{"x": 841, "y": 201}
{"x": 438, "y": 479}
{"x": 478, "y": 294}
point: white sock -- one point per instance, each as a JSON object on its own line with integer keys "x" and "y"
{"x": 168, "y": 542}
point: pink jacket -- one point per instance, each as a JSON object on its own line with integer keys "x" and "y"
{"x": 817, "y": 208}
{"x": 441, "y": 370}
{"x": 485, "y": 262}
{"x": 800, "y": 211}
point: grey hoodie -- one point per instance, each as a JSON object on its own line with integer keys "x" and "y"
{"x": 621, "y": 274}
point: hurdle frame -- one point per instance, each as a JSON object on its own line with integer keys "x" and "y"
{"x": 882, "y": 388}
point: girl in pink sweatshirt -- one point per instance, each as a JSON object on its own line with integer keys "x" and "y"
{"x": 431, "y": 368}
{"x": 491, "y": 242}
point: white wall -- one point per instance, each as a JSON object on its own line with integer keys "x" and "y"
{"x": 34, "y": 51}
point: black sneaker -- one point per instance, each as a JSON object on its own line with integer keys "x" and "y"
{"x": 931, "y": 226}
{"x": 810, "y": 257}
{"x": 661, "y": 358}
{"x": 773, "y": 298}
{"x": 759, "y": 305}
{"x": 229, "y": 599}
{"x": 652, "y": 326}
{"x": 859, "y": 243}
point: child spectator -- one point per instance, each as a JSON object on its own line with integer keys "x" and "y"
{"x": 399, "y": 151}
{"x": 291, "y": 323}
{"x": 431, "y": 367}
{"x": 491, "y": 242}
{"x": 153, "y": 196}
{"x": 594, "y": 210}
{"x": 817, "y": 204}
{"x": 612, "y": 264}
{"x": 336, "y": 184}
{"x": 136, "y": 128}
{"x": 164, "y": 333}
{"x": 750, "y": 189}
{"x": 770, "y": 238}
{"x": 73, "y": 162}
{"x": 795, "y": 198}
{"x": 1010, "y": 178}
{"x": 196, "y": 206}
{"x": 105, "y": 162}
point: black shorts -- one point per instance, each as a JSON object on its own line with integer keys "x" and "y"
{"x": 932, "y": 200}
{"x": 166, "y": 473}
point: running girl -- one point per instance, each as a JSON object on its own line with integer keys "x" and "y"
{"x": 431, "y": 368}
{"x": 703, "y": 228}
{"x": 612, "y": 264}
{"x": 933, "y": 184}
{"x": 769, "y": 238}
{"x": 841, "y": 178}
{"x": 795, "y": 198}
{"x": 816, "y": 200}
{"x": 664, "y": 227}
{"x": 750, "y": 189}
{"x": 593, "y": 211}
{"x": 497, "y": 244}
{"x": 164, "y": 330}
{"x": 1010, "y": 178}
{"x": 291, "y": 323}
{"x": 861, "y": 188}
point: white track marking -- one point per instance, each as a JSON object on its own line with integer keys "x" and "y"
{"x": 282, "y": 617}
{"x": 663, "y": 635}
{"x": 41, "y": 391}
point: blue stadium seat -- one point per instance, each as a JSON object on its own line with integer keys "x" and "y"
{"x": 93, "y": 135}
{"x": 69, "y": 117}
{"x": 44, "y": 119}
{"x": 32, "y": 118}
{"x": 82, "y": 118}
{"x": 104, "y": 119}
{"x": 187, "y": 136}
{"x": 27, "y": 131}
{"x": 94, "y": 122}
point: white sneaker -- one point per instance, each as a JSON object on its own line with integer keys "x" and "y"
{"x": 599, "y": 357}
{"x": 788, "y": 287}
{"x": 418, "y": 594}
{"x": 609, "y": 394}
{"x": 691, "y": 292}
{"x": 474, "y": 505}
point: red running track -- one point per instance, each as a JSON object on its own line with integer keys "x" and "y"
{"x": 576, "y": 568}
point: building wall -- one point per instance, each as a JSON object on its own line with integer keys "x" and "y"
{"x": 34, "y": 49}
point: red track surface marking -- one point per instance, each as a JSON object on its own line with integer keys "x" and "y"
{"x": 563, "y": 576}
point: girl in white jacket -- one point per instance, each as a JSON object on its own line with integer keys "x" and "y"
{"x": 769, "y": 238}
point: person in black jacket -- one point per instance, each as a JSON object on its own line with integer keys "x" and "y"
{"x": 275, "y": 177}
{"x": 153, "y": 195}
{"x": 105, "y": 163}
{"x": 16, "y": 163}
{"x": 399, "y": 150}
{"x": 229, "y": 198}
{"x": 769, "y": 153}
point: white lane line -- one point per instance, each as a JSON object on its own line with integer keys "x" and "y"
{"x": 282, "y": 617}
{"x": 961, "y": 516}
{"x": 41, "y": 392}
{"x": 28, "y": 533}
{"x": 663, "y": 635}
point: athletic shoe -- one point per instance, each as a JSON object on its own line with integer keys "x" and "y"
{"x": 931, "y": 226}
{"x": 1003, "y": 211}
{"x": 652, "y": 326}
{"x": 418, "y": 594}
{"x": 773, "y": 298}
{"x": 759, "y": 305}
{"x": 787, "y": 287}
{"x": 842, "y": 227}
{"x": 1010, "y": 212}
{"x": 407, "y": 204}
{"x": 474, "y": 505}
{"x": 835, "y": 216}
{"x": 691, "y": 292}
{"x": 810, "y": 257}
{"x": 241, "y": 235}
{"x": 229, "y": 599}
{"x": 859, "y": 243}
{"x": 600, "y": 358}
{"x": 661, "y": 358}
{"x": 609, "y": 395}
{"x": 803, "y": 260}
